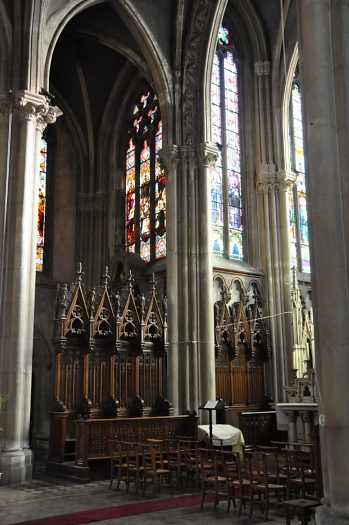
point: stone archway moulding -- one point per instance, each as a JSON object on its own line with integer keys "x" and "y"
{"x": 58, "y": 19}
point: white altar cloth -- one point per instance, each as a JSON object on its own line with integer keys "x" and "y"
{"x": 225, "y": 435}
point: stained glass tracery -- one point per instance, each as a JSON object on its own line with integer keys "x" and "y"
{"x": 227, "y": 228}
{"x": 145, "y": 181}
{"x": 40, "y": 240}
{"x": 299, "y": 231}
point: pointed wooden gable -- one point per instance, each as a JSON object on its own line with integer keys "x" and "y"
{"x": 154, "y": 322}
{"x": 128, "y": 328}
{"x": 77, "y": 323}
{"x": 102, "y": 316}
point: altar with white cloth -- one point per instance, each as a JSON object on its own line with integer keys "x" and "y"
{"x": 222, "y": 435}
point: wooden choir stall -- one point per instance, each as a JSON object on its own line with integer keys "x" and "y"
{"x": 110, "y": 374}
{"x": 242, "y": 355}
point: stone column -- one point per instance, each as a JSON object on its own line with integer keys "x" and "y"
{"x": 30, "y": 113}
{"x": 268, "y": 185}
{"x": 5, "y": 132}
{"x": 286, "y": 181}
{"x": 292, "y": 426}
{"x": 170, "y": 157}
{"x": 196, "y": 378}
{"x": 324, "y": 66}
{"x": 186, "y": 310}
{"x": 207, "y": 387}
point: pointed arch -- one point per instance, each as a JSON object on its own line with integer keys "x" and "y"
{"x": 252, "y": 43}
{"x": 154, "y": 58}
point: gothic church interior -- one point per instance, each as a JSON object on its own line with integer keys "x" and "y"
{"x": 173, "y": 219}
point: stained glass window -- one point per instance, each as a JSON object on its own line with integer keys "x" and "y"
{"x": 40, "y": 240}
{"x": 145, "y": 181}
{"x": 227, "y": 229}
{"x": 299, "y": 232}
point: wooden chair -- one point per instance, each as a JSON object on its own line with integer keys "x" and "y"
{"x": 263, "y": 489}
{"x": 118, "y": 462}
{"x": 239, "y": 483}
{"x": 175, "y": 460}
{"x": 214, "y": 475}
{"x": 134, "y": 464}
{"x": 155, "y": 467}
{"x": 189, "y": 459}
{"x": 301, "y": 478}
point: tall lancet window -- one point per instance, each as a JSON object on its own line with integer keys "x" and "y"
{"x": 145, "y": 181}
{"x": 299, "y": 232}
{"x": 227, "y": 228}
{"x": 40, "y": 239}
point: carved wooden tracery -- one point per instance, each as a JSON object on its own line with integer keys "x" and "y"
{"x": 110, "y": 350}
{"x": 242, "y": 347}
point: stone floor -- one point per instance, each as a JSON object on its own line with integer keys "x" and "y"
{"x": 47, "y": 497}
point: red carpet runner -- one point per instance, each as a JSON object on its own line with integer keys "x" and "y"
{"x": 120, "y": 511}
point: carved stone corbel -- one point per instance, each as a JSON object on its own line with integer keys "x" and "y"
{"x": 262, "y": 68}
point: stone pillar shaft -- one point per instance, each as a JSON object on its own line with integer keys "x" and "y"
{"x": 170, "y": 157}
{"x": 286, "y": 181}
{"x": 31, "y": 113}
{"x": 191, "y": 338}
{"x": 267, "y": 184}
{"x": 207, "y": 387}
{"x": 324, "y": 64}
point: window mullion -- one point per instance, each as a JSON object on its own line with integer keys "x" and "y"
{"x": 224, "y": 159}
{"x": 152, "y": 194}
{"x": 295, "y": 189}
{"x": 137, "y": 196}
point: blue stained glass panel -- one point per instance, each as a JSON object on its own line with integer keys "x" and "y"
{"x": 223, "y": 35}
{"x": 217, "y": 241}
{"x": 235, "y": 245}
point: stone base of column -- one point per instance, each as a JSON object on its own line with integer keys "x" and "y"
{"x": 16, "y": 466}
{"x": 325, "y": 516}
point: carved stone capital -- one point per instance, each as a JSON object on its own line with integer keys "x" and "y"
{"x": 286, "y": 180}
{"x": 262, "y": 68}
{"x": 35, "y": 108}
{"x": 207, "y": 154}
{"x": 169, "y": 157}
{"x": 189, "y": 156}
{"x": 267, "y": 181}
{"x": 48, "y": 116}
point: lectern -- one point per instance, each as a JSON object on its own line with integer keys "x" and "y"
{"x": 216, "y": 404}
